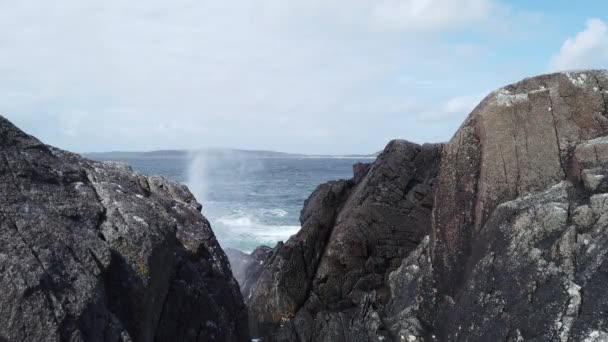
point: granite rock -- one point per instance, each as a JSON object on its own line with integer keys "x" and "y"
{"x": 93, "y": 251}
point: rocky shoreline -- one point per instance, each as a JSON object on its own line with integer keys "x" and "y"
{"x": 500, "y": 234}
{"x": 93, "y": 251}
{"x": 497, "y": 235}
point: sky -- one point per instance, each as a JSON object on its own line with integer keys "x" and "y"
{"x": 302, "y": 76}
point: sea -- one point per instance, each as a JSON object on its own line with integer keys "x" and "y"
{"x": 249, "y": 199}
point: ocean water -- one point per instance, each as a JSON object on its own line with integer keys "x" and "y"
{"x": 249, "y": 201}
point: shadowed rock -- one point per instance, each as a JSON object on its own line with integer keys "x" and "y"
{"x": 247, "y": 267}
{"x": 324, "y": 283}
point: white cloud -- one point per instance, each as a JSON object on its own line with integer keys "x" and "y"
{"x": 454, "y": 107}
{"x": 299, "y": 75}
{"x": 588, "y": 49}
{"x": 460, "y": 104}
{"x": 430, "y": 15}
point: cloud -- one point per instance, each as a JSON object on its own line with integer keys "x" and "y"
{"x": 588, "y": 49}
{"x": 389, "y": 15}
{"x": 430, "y": 15}
{"x": 454, "y": 107}
{"x": 301, "y": 75}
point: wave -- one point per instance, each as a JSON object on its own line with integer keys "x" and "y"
{"x": 245, "y": 228}
{"x": 273, "y": 212}
{"x": 235, "y": 222}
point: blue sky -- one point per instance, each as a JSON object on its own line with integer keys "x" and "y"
{"x": 309, "y": 76}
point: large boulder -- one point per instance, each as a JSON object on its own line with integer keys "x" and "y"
{"x": 325, "y": 282}
{"x": 520, "y": 140}
{"x": 518, "y": 232}
{"x": 539, "y": 264}
{"x": 92, "y": 251}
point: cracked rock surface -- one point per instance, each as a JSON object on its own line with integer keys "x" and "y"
{"x": 522, "y": 140}
{"x": 499, "y": 235}
{"x": 92, "y": 251}
{"x": 329, "y": 281}
{"x": 515, "y": 209}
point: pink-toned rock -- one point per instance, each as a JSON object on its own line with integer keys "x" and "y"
{"x": 519, "y": 140}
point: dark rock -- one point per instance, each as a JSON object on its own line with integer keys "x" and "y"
{"x": 325, "y": 282}
{"x": 284, "y": 283}
{"x": 360, "y": 170}
{"x": 93, "y": 251}
{"x": 247, "y": 267}
{"x": 239, "y": 262}
{"x": 411, "y": 284}
{"x": 517, "y": 237}
{"x": 500, "y": 235}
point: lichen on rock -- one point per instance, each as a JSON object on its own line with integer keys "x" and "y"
{"x": 93, "y": 251}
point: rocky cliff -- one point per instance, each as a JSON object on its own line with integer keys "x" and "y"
{"x": 329, "y": 281}
{"x": 516, "y": 184}
{"x": 93, "y": 251}
{"x": 513, "y": 206}
{"x": 498, "y": 235}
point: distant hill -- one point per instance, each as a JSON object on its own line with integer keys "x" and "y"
{"x": 214, "y": 152}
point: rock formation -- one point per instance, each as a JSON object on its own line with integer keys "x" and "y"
{"x": 517, "y": 236}
{"x": 247, "y": 267}
{"x": 505, "y": 245}
{"x": 327, "y": 281}
{"x": 93, "y": 251}
{"x": 498, "y": 235}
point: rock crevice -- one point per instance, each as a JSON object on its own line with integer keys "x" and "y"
{"x": 354, "y": 234}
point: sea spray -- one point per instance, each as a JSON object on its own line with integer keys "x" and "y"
{"x": 219, "y": 165}
{"x": 197, "y": 175}
{"x": 253, "y": 200}
{"x": 249, "y": 198}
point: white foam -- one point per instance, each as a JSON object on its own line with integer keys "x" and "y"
{"x": 276, "y": 233}
{"x": 246, "y": 228}
{"x": 235, "y": 221}
{"x": 274, "y": 212}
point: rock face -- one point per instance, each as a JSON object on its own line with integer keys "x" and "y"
{"x": 325, "y": 283}
{"x": 247, "y": 267}
{"x": 522, "y": 140}
{"x": 518, "y": 232}
{"x": 93, "y": 251}
{"x": 499, "y": 235}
